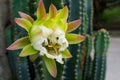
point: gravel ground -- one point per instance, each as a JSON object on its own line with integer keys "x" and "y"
{"x": 113, "y": 59}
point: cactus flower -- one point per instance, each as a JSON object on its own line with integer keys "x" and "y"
{"x": 48, "y": 36}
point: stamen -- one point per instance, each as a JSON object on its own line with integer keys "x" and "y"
{"x": 56, "y": 51}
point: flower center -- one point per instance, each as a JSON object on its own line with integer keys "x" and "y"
{"x": 55, "y": 43}
{"x": 51, "y": 44}
{"x": 52, "y": 48}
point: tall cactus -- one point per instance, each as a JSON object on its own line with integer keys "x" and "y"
{"x": 81, "y": 66}
{"x": 72, "y": 65}
{"x": 101, "y": 47}
{"x": 77, "y": 10}
{"x": 19, "y": 66}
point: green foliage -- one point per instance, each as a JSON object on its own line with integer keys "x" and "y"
{"x": 81, "y": 66}
{"x": 111, "y": 13}
{"x": 112, "y": 16}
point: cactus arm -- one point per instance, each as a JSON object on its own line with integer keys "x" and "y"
{"x": 101, "y": 48}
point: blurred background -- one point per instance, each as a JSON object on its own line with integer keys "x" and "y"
{"x": 106, "y": 15}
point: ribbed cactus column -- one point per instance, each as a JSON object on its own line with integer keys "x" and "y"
{"x": 73, "y": 68}
{"x": 87, "y": 60}
{"x": 19, "y": 66}
{"x": 89, "y": 9}
{"x": 101, "y": 48}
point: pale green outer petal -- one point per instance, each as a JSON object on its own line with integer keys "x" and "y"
{"x": 28, "y": 50}
{"x": 73, "y": 25}
{"x": 41, "y": 13}
{"x": 20, "y": 43}
{"x": 62, "y": 24}
{"x": 26, "y": 16}
{"x": 52, "y": 11}
{"x": 51, "y": 66}
{"x": 66, "y": 54}
{"x": 34, "y": 57}
{"x": 61, "y": 18}
{"x": 74, "y": 38}
{"x": 24, "y": 23}
{"x": 63, "y": 13}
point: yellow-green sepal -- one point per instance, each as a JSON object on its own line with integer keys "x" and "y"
{"x": 26, "y": 16}
{"x": 51, "y": 66}
{"x": 62, "y": 25}
{"x": 66, "y": 54}
{"x": 20, "y": 43}
{"x": 28, "y": 50}
{"x": 41, "y": 12}
{"x": 34, "y": 57}
{"x": 74, "y": 38}
{"x": 63, "y": 14}
{"x": 24, "y": 23}
{"x": 52, "y": 11}
{"x": 73, "y": 25}
{"x": 61, "y": 19}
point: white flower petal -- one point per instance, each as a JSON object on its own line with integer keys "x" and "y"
{"x": 43, "y": 51}
{"x": 59, "y": 59}
{"x": 50, "y": 56}
{"x": 46, "y": 31}
{"x": 64, "y": 46}
{"x": 38, "y": 44}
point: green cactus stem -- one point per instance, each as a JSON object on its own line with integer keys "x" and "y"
{"x": 101, "y": 47}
